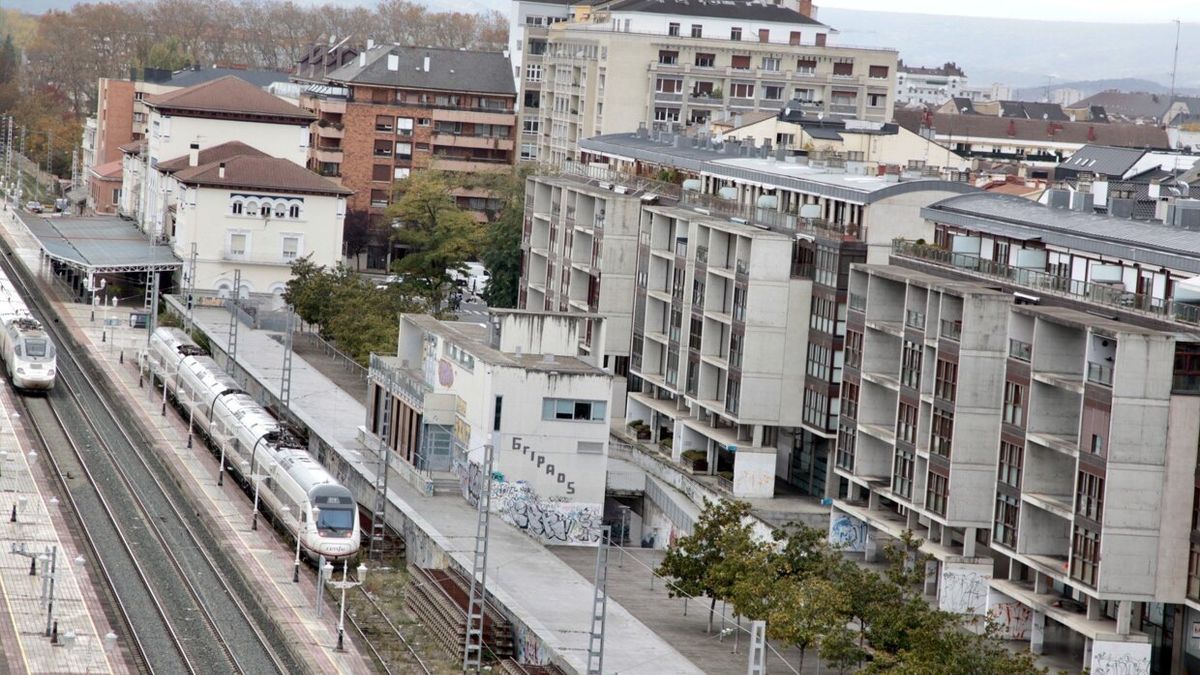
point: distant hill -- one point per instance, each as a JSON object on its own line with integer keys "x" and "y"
{"x": 1022, "y": 53}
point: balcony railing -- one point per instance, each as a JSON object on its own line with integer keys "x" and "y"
{"x": 858, "y": 302}
{"x": 914, "y": 319}
{"x": 951, "y": 330}
{"x": 1099, "y": 373}
{"x": 1106, "y": 295}
{"x": 702, "y": 254}
{"x": 1022, "y": 351}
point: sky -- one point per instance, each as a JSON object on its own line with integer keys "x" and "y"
{"x": 1107, "y": 11}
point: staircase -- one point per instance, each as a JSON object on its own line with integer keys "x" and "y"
{"x": 439, "y": 598}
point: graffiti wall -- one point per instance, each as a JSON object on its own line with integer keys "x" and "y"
{"x": 847, "y": 532}
{"x": 550, "y": 520}
{"x": 964, "y": 587}
{"x": 1011, "y": 619}
{"x": 1120, "y": 658}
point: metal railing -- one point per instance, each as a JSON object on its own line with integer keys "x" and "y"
{"x": 338, "y": 356}
{"x": 951, "y": 329}
{"x": 914, "y": 319}
{"x": 858, "y": 302}
{"x": 1099, "y": 373}
{"x": 1107, "y": 295}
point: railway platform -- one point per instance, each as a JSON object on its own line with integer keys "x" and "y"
{"x": 267, "y": 559}
{"x": 549, "y": 601}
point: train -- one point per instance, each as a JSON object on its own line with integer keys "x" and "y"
{"x": 319, "y": 511}
{"x": 28, "y": 353}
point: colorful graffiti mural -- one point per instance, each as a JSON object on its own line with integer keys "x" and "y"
{"x": 550, "y": 520}
{"x": 1011, "y": 619}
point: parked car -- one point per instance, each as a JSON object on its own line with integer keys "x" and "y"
{"x": 33, "y": 207}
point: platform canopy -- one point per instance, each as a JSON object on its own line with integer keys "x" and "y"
{"x": 100, "y": 244}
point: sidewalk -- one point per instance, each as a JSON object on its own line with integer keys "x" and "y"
{"x": 266, "y": 559}
{"x": 524, "y": 576}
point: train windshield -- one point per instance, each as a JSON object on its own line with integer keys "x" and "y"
{"x": 336, "y": 520}
{"x": 37, "y": 349}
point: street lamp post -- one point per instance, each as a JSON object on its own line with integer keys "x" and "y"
{"x": 343, "y": 585}
{"x": 258, "y": 479}
{"x": 324, "y": 571}
{"x": 221, "y": 469}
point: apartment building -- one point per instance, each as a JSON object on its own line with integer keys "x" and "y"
{"x": 930, "y": 86}
{"x": 1022, "y": 393}
{"x": 785, "y": 231}
{"x": 520, "y": 383}
{"x": 701, "y": 62}
{"x": 396, "y": 109}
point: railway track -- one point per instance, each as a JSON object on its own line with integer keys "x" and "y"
{"x": 381, "y": 638}
{"x": 178, "y": 594}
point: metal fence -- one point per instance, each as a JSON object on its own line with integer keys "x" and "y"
{"x": 341, "y": 358}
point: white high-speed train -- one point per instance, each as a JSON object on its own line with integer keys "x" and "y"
{"x": 28, "y": 353}
{"x": 256, "y": 443}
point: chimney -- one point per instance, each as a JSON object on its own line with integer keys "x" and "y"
{"x": 370, "y": 43}
{"x": 425, "y": 64}
{"x": 193, "y": 154}
{"x": 221, "y": 170}
{"x": 362, "y": 59}
{"x": 806, "y": 8}
{"x": 393, "y": 62}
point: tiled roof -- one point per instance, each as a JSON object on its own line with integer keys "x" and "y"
{"x": 108, "y": 169}
{"x": 449, "y": 70}
{"x": 258, "y": 78}
{"x": 1130, "y": 105}
{"x": 1032, "y": 110}
{"x": 986, "y": 126}
{"x": 229, "y": 95}
{"x": 717, "y": 9}
{"x": 1103, "y": 160}
{"x": 134, "y": 148}
{"x": 217, "y": 153}
{"x": 259, "y": 172}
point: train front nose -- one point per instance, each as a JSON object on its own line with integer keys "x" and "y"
{"x": 34, "y": 376}
{"x": 337, "y": 550}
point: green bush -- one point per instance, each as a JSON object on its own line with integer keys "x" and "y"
{"x": 694, "y": 455}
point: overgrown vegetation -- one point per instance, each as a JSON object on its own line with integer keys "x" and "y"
{"x": 815, "y": 599}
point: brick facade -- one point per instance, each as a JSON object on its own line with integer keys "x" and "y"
{"x": 114, "y": 119}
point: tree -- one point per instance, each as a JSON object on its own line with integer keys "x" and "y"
{"x": 438, "y": 235}
{"x": 706, "y": 562}
{"x": 502, "y": 254}
{"x": 167, "y": 55}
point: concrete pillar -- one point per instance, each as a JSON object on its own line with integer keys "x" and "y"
{"x": 1037, "y": 632}
{"x": 872, "y": 500}
{"x": 1041, "y": 583}
{"x": 913, "y": 519}
{"x": 871, "y": 553}
{"x": 969, "y": 542}
{"x": 947, "y": 538}
{"x": 931, "y": 577}
{"x": 1124, "y": 616}
{"x": 1093, "y": 609}
{"x": 1087, "y": 654}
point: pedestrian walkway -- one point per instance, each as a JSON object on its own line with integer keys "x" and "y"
{"x": 266, "y": 559}
{"x": 539, "y": 589}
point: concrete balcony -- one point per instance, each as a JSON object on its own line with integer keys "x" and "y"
{"x": 487, "y": 142}
{"x": 445, "y": 164}
{"x": 473, "y": 116}
{"x": 330, "y": 131}
{"x": 251, "y": 259}
{"x": 328, "y": 155}
{"x": 331, "y": 106}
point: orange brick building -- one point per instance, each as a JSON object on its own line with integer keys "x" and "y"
{"x": 394, "y": 110}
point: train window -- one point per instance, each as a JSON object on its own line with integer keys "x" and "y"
{"x": 336, "y": 519}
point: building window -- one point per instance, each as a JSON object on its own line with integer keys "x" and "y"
{"x": 496, "y": 413}
{"x": 251, "y": 208}
{"x": 816, "y": 408}
{"x": 1008, "y": 511}
{"x": 400, "y": 173}
{"x": 843, "y": 70}
{"x": 735, "y": 33}
{"x": 945, "y": 380}
{"x": 942, "y": 432}
{"x": 664, "y": 85}
{"x": 1085, "y": 555}
{"x": 1193, "y": 581}
{"x": 1089, "y": 496}
{"x": 291, "y": 247}
{"x": 383, "y": 123}
{"x": 424, "y": 121}
{"x": 818, "y": 361}
{"x": 876, "y": 100}
{"x": 666, "y": 114}
{"x": 902, "y": 473}
{"x": 845, "y": 448}
{"x": 404, "y": 151}
{"x": 280, "y": 210}
{"x": 238, "y": 243}
{"x": 294, "y": 211}
{"x": 850, "y": 400}
{"x": 381, "y": 172}
{"x": 906, "y": 424}
{"x": 236, "y": 207}
{"x": 1012, "y": 459}
{"x": 806, "y": 66}
{"x": 878, "y": 72}
{"x": 910, "y": 365}
{"x": 937, "y": 493}
{"x": 533, "y": 72}
{"x": 673, "y": 29}
{"x": 1014, "y": 404}
{"x": 1097, "y": 444}
{"x": 695, "y": 334}
{"x": 824, "y": 315}
{"x": 740, "y": 62}
{"x": 529, "y": 151}
{"x": 853, "y": 349}
{"x": 531, "y": 126}
{"x": 573, "y": 410}
{"x": 697, "y": 30}
{"x": 668, "y": 57}
{"x": 741, "y": 90}
{"x": 770, "y": 63}
{"x": 404, "y": 125}
{"x": 773, "y": 92}
{"x": 705, "y": 60}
